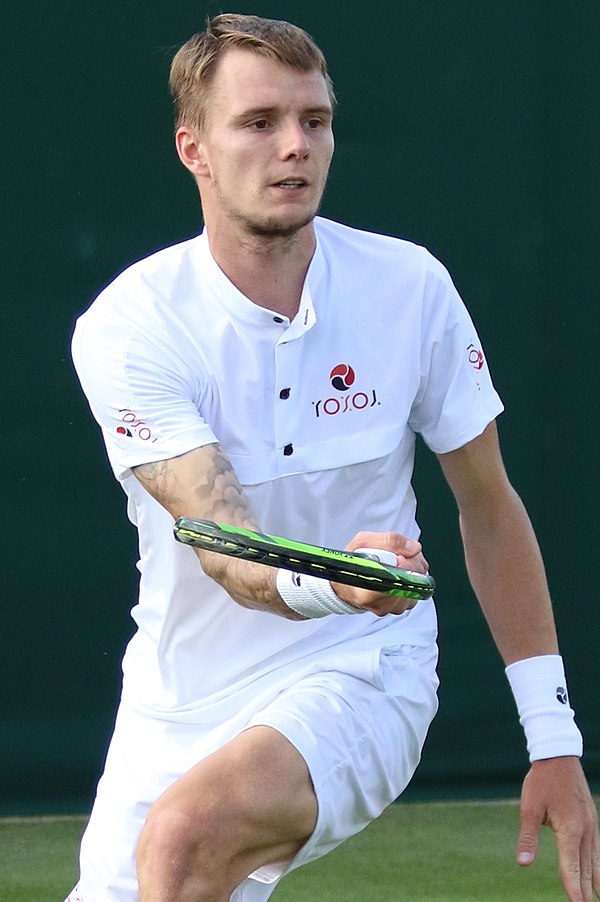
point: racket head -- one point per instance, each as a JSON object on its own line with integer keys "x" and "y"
{"x": 353, "y": 569}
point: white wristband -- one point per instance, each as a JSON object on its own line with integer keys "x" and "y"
{"x": 311, "y": 596}
{"x": 540, "y": 690}
{"x": 314, "y": 597}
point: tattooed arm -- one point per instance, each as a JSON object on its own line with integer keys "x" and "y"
{"x": 202, "y": 484}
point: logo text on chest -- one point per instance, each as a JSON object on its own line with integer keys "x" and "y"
{"x": 360, "y": 400}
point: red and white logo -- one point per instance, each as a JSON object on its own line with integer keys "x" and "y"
{"x": 476, "y": 358}
{"x": 342, "y": 378}
{"x": 132, "y": 425}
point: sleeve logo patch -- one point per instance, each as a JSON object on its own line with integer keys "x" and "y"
{"x": 476, "y": 358}
{"x": 132, "y": 425}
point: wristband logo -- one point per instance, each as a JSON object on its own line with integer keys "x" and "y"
{"x": 561, "y": 695}
{"x": 342, "y": 378}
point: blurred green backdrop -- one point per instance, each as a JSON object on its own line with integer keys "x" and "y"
{"x": 470, "y": 127}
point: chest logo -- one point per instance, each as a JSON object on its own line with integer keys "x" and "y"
{"x": 342, "y": 378}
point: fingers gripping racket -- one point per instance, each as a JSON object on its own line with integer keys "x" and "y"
{"x": 352, "y": 569}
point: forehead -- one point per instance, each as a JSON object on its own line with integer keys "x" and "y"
{"x": 247, "y": 80}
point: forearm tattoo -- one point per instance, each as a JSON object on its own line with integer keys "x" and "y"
{"x": 203, "y": 484}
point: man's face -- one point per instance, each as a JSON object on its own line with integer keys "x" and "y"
{"x": 267, "y": 143}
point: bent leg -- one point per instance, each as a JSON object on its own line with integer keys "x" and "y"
{"x": 250, "y": 803}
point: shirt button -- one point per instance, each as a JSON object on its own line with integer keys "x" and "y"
{"x": 277, "y": 319}
{"x": 284, "y": 394}
{"x": 289, "y": 449}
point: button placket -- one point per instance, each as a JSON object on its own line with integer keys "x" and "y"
{"x": 286, "y": 354}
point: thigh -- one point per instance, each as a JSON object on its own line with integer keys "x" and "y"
{"x": 149, "y": 760}
{"x": 248, "y": 803}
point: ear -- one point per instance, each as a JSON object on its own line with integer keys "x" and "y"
{"x": 191, "y": 151}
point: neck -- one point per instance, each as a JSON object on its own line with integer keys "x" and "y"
{"x": 269, "y": 269}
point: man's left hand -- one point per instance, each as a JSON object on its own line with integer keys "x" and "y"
{"x": 556, "y": 794}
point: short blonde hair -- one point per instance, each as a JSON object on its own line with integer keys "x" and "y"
{"x": 195, "y": 64}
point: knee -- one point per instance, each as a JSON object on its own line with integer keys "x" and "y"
{"x": 179, "y": 851}
{"x": 165, "y": 835}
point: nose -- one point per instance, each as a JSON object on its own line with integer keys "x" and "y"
{"x": 294, "y": 141}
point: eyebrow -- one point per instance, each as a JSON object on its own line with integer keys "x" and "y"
{"x": 257, "y": 112}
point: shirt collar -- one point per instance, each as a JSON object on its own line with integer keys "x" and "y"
{"x": 241, "y": 307}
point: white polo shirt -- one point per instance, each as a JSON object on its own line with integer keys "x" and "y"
{"x": 318, "y": 417}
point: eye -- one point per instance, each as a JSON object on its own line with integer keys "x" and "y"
{"x": 314, "y": 123}
{"x": 259, "y": 125}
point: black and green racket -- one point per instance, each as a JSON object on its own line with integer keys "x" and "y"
{"x": 351, "y": 568}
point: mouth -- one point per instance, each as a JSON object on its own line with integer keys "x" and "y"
{"x": 291, "y": 184}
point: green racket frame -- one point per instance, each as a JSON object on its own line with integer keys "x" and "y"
{"x": 350, "y": 568}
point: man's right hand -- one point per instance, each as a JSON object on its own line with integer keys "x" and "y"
{"x": 409, "y": 556}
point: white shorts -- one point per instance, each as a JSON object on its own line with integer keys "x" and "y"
{"x": 361, "y": 739}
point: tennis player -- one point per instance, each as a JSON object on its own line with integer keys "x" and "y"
{"x": 273, "y": 373}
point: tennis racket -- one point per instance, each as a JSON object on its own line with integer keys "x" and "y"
{"x": 352, "y": 569}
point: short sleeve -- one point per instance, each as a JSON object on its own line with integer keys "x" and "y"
{"x": 456, "y": 398}
{"x": 141, "y": 394}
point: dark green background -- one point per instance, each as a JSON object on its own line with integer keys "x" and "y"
{"x": 471, "y": 127}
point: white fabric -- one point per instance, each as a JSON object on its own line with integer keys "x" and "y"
{"x": 172, "y": 356}
{"x": 360, "y": 727}
{"x": 539, "y": 686}
{"x": 311, "y": 596}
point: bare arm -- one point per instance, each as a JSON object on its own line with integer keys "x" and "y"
{"x": 202, "y": 483}
{"x": 502, "y": 554}
{"x": 506, "y": 570}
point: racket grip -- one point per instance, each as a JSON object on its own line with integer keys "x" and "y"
{"x": 379, "y": 554}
